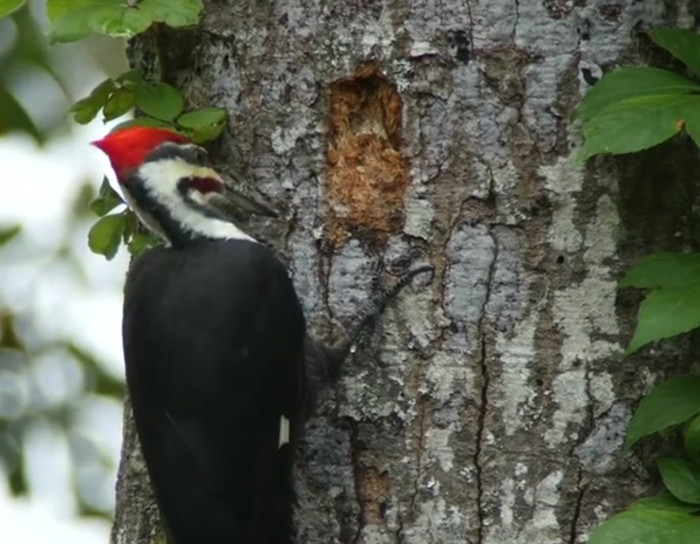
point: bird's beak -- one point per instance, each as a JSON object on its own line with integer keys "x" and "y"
{"x": 235, "y": 204}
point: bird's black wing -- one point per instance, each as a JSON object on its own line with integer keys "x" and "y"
{"x": 213, "y": 343}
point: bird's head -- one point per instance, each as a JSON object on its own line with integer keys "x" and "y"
{"x": 128, "y": 148}
{"x": 170, "y": 184}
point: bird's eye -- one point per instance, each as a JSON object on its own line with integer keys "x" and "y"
{"x": 195, "y": 154}
{"x": 201, "y": 155}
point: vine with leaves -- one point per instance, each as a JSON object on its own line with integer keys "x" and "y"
{"x": 630, "y": 110}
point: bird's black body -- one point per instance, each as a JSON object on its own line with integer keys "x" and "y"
{"x": 213, "y": 341}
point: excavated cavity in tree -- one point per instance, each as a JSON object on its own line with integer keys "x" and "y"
{"x": 366, "y": 175}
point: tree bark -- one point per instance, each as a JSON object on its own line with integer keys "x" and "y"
{"x": 490, "y": 405}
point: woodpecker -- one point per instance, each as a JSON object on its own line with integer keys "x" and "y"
{"x": 219, "y": 367}
{"x": 213, "y": 337}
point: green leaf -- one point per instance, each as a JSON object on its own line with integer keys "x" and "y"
{"x": 9, "y": 339}
{"x": 122, "y": 22}
{"x": 202, "y": 118}
{"x": 17, "y": 479}
{"x": 682, "y": 44}
{"x": 673, "y": 308}
{"x": 691, "y": 439}
{"x": 634, "y": 124}
{"x": 99, "y": 381}
{"x": 669, "y": 403}
{"x": 107, "y": 199}
{"x": 204, "y": 124}
{"x": 627, "y": 83}
{"x": 140, "y": 241}
{"x": 13, "y": 116}
{"x": 71, "y": 21}
{"x": 204, "y": 135}
{"x": 647, "y": 527}
{"x": 691, "y": 116}
{"x": 665, "y": 313}
{"x": 7, "y": 234}
{"x": 161, "y": 100}
{"x": 56, "y": 8}
{"x": 682, "y": 478}
{"x": 102, "y": 91}
{"x": 118, "y": 104}
{"x": 118, "y": 17}
{"x": 134, "y": 76}
{"x": 80, "y": 206}
{"x": 173, "y": 13}
{"x": 106, "y": 190}
{"x": 8, "y": 6}
{"x": 85, "y": 110}
{"x": 665, "y": 270}
{"x": 105, "y": 235}
{"x": 664, "y": 501}
{"x": 132, "y": 225}
{"x": 143, "y": 122}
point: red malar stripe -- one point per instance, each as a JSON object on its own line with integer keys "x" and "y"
{"x": 207, "y": 185}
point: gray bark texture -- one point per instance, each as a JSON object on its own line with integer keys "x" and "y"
{"x": 489, "y": 405}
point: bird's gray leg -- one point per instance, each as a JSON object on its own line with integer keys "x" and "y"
{"x": 323, "y": 362}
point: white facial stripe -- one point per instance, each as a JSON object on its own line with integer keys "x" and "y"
{"x": 173, "y": 170}
{"x": 161, "y": 179}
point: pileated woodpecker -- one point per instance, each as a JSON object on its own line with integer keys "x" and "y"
{"x": 219, "y": 367}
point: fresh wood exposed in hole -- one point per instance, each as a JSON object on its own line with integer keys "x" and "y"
{"x": 367, "y": 177}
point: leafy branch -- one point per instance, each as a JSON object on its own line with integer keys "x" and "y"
{"x": 670, "y": 517}
{"x": 630, "y": 110}
{"x": 160, "y": 105}
{"x": 72, "y": 20}
{"x": 633, "y": 109}
{"x": 8, "y": 7}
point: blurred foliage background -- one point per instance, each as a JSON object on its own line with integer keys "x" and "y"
{"x": 59, "y": 393}
{"x": 38, "y": 81}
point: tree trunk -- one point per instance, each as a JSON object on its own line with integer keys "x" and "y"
{"x": 490, "y": 405}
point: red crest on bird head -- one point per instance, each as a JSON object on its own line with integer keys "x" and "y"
{"x": 127, "y": 148}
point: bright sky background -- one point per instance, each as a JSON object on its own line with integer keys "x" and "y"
{"x": 37, "y": 188}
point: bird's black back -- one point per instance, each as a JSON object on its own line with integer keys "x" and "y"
{"x": 213, "y": 342}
